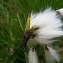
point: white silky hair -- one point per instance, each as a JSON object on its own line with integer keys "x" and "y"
{"x": 32, "y": 56}
{"x": 54, "y": 53}
{"x": 49, "y": 25}
{"x": 60, "y": 11}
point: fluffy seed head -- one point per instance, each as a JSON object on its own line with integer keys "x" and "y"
{"x": 32, "y": 56}
{"x": 49, "y": 25}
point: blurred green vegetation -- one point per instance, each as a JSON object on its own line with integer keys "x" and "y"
{"x": 13, "y": 16}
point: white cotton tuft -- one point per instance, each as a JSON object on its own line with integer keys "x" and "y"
{"x": 32, "y": 56}
{"x": 54, "y": 53}
{"x": 60, "y": 11}
{"x": 49, "y": 25}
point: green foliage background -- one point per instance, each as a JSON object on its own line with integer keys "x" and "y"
{"x": 13, "y": 16}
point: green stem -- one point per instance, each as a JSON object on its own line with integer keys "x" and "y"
{"x": 26, "y": 57}
{"x": 44, "y": 60}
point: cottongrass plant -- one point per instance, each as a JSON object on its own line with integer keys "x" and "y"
{"x": 44, "y": 26}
